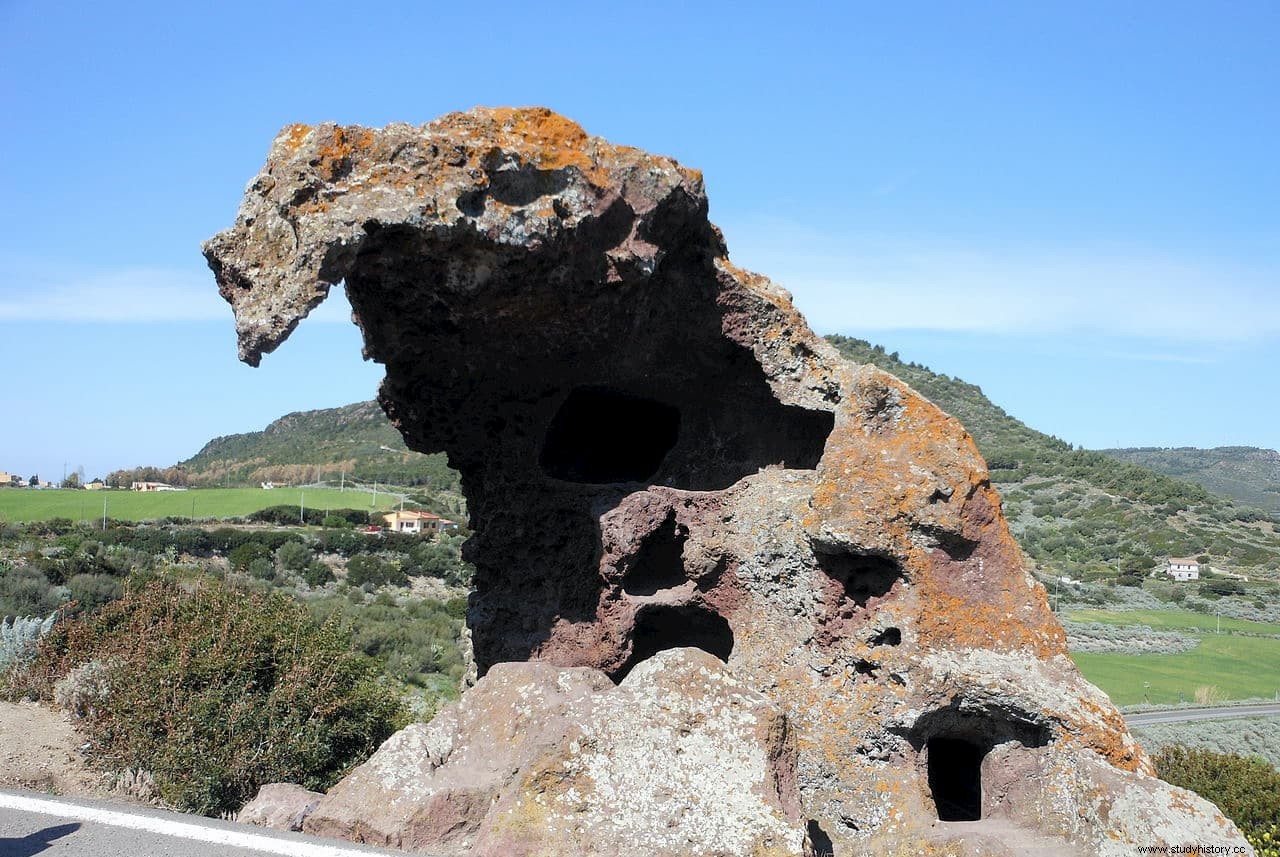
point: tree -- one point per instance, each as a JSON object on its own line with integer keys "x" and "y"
{"x": 72, "y": 480}
{"x": 34, "y": 480}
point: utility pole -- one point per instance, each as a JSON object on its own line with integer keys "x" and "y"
{"x": 302, "y": 507}
{"x": 104, "y": 514}
{"x": 342, "y": 486}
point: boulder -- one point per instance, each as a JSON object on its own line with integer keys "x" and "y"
{"x": 679, "y": 758}
{"x": 281, "y": 806}
{"x": 658, "y": 454}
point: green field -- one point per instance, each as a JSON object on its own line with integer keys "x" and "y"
{"x": 1238, "y": 667}
{"x": 25, "y": 505}
{"x": 1171, "y": 620}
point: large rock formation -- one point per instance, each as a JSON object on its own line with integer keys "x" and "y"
{"x": 659, "y": 454}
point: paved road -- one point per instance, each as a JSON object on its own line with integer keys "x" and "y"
{"x": 1225, "y": 712}
{"x": 34, "y": 824}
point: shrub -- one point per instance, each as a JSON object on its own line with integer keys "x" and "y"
{"x": 441, "y": 559}
{"x": 91, "y": 591}
{"x": 242, "y": 557}
{"x": 25, "y": 591}
{"x": 293, "y": 556}
{"x": 80, "y": 691}
{"x": 416, "y": 641}
{"x": 261, "y": 568}
{"x": 317, "y": 574}
{"x": 217, "y": 691}
{"x": 1247, "y": 790}
{"x": 364, "y": 568}
{"x": 18, "y": 639}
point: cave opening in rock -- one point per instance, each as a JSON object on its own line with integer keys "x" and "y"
{"x": 662, "y": 627}
{"x": 659, "y": 563}
{"x": 602, "y": 435}
{"x": 888, "y": 637}
{"x": 819, "y": 840}
{"x": 955, "y": 778}
{"x": 863, "y": 576}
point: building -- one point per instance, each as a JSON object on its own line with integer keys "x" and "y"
{"x": 409, "y": 521}
{"x": 1184, "y": 569}
{"x": 154, "y": 486}
{"x": 95, "y": 485}
{"x": 7, "y": 478}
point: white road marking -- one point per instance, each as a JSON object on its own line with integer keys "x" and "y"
{"x": 179, "y": 829}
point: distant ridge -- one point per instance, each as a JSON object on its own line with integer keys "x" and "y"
{"x": 1084, "y": 512}
{"x": 1250, "y": 474}
{"x": 308, "y": 446}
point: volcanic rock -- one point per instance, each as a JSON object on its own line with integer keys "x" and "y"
{"x": 282, "y": 806}
{"x": 658, "y": 454}
{"x": 538, "y": 759}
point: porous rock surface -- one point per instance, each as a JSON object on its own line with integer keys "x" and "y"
{"x": 658, "y": 454}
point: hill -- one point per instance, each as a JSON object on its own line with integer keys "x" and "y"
{"x": 354, "y": 442}
{"x": 1247, "y": 473}
{"x": 1081, "y": 512}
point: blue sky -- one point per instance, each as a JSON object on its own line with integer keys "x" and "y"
{"x": 1073, "y": 205}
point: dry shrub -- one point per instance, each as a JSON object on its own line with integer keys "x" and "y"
{"x": 1209, "y": 694}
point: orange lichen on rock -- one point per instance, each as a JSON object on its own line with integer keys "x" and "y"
{"x": 295, "y": 135}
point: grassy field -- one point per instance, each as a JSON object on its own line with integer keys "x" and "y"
{"x": 1171, "y": 620}
{"x": 23, "y": 505}
{"x": 1238, "y": 667}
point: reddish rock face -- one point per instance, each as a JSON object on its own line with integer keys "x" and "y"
{"x": 657, "y": 453}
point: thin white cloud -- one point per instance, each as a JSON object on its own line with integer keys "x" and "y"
{"x": 869, "y": 283}
{"x": 33, "y": 292}
{"x": 143, "y": 295}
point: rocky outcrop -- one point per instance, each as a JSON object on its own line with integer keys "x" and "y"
{"x": 658, "y": 454}
{"x": 679, "y": 758}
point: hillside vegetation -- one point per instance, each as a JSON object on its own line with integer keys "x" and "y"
{"x": 357, "y": 441}
{"x": 1081, "y": 512}
{"x": 1249, "y": 474}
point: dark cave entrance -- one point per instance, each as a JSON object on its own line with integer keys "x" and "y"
{"x": 819, "y": 840}
{"x": 659, "y": 628}
{"x": 954, "y": 741}
{"x": 601, "y": 435}
{"x": 863, "y": 576}
{"x": 659, "y": 564}
{"x": 955, "y": 778}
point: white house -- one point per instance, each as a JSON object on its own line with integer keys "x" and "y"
{"x": 1184, "y": 569}
{"x": 409, "y": 521}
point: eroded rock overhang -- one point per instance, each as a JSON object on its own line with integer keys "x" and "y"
{"x": 657, "y": 452}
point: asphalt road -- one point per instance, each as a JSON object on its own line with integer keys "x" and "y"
{"x": 35, "y": 824}
{"x": 1181, "y": 715}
